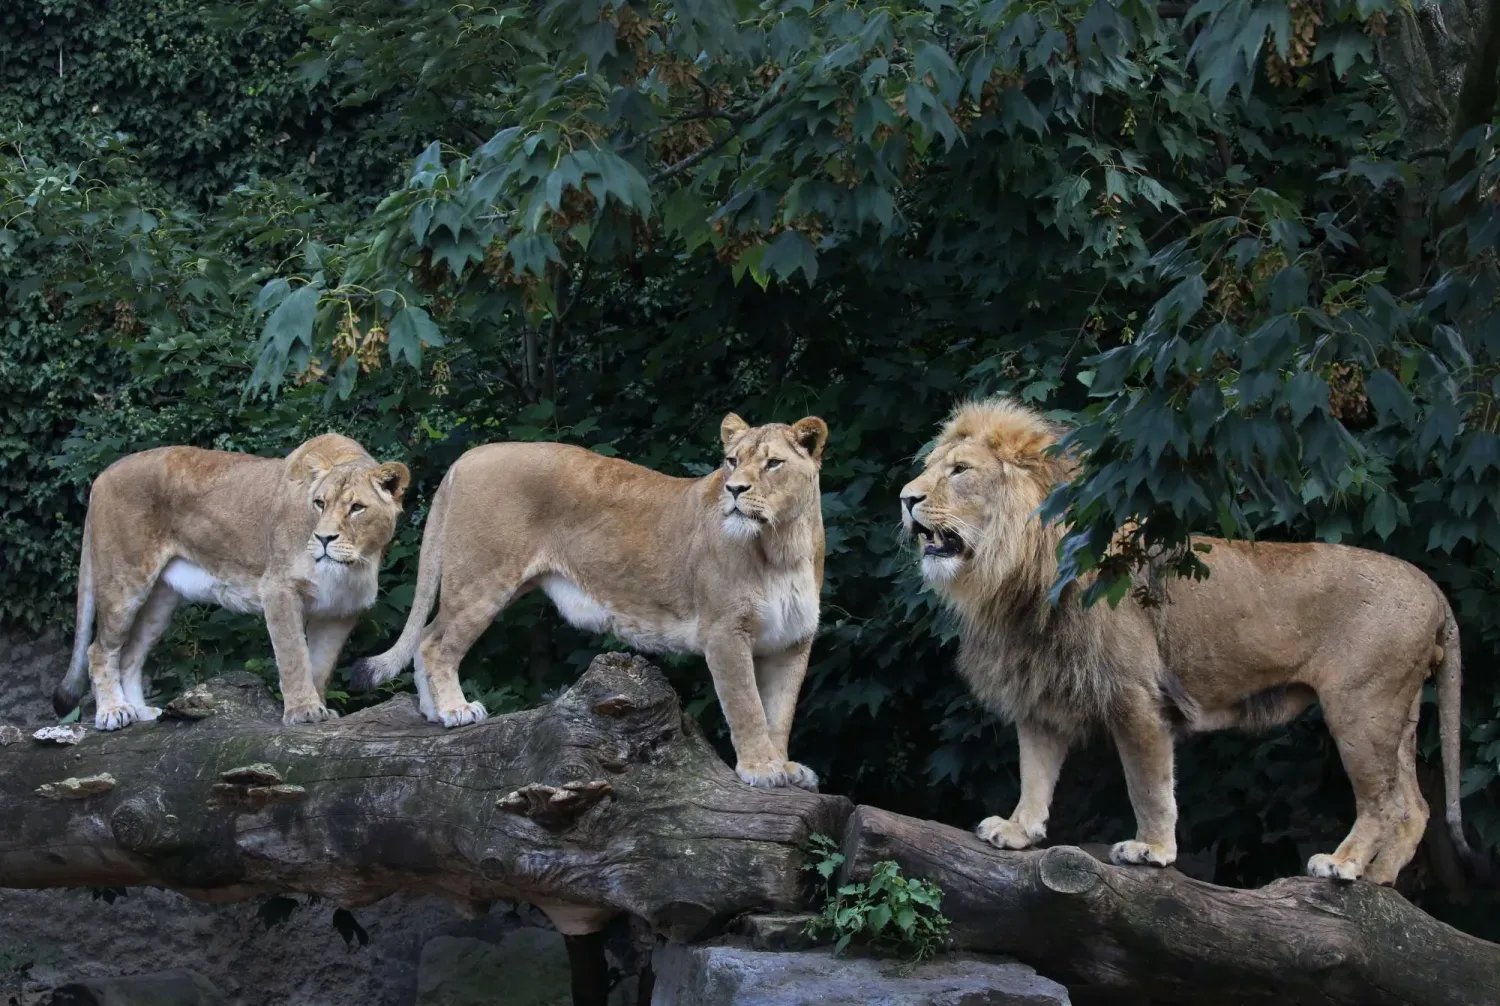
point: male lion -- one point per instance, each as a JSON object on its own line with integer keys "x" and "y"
{"x": 298, "y": 538}
{"x": 1273, "y": 629}
{"x": 729, "y": 565}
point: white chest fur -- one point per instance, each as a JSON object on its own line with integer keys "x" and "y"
{"x": 338, "y": 590}
{"x": 580, "y": 610}
{"x": 342, "y": 589}
{"x": 788, "y": 610}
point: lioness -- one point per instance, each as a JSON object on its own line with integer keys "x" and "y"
{"x": 729, "y": 565}
{"x": 298, "y": 538}
{"x": 1273, "y": 629}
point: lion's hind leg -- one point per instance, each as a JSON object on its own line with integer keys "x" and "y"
{"x": 1371, "y": 728}
{"x": 115, "y": 620}
{"x": 1406, "y": 811}
{"x": 464, "y": 612}
{"x": 150, "y": 624}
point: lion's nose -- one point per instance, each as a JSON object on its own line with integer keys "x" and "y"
{"x": 735, "y": 490}
{"x": 326, "y": 539}
{"x": 910, "y": 502}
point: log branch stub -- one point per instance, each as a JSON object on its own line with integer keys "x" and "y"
{"x": 1109, "y": 930}
{"x": 1066, "y": 869}
{"x": 606, "y": 800}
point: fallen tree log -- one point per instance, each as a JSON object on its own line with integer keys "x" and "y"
{"x": 609, "y": 801}
{"x": 606, "y": 801}
{"x": 1137, "y": 934}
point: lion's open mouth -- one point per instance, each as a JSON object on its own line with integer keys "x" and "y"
{"x": 938, "y": 542}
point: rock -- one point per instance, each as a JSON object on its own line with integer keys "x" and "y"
{"x": 169, "y": 988}
{"x": 778, "y": 932}
{"x": 10, "y": 735}
{"x": 529, "y": 965}
{"x": 74, "y": 788}
{"x": 71, "y": 734}
{"x": 715, "y": 975}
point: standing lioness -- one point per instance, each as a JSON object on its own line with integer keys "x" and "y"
{"x": 1273, "y": 629}
{"x": 299, "y": 538}
{"x": 729, "y": 565}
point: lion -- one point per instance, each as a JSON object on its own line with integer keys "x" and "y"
{"x": 729, "y": 566}
{"x": 1275, "y": 628}
{"x": 298, "y": 538}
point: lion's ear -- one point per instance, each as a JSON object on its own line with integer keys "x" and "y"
{"x": 811, "y": 435}
{"x": 310, "y": 467}
{"x": 392, "y": 478}
{"x": 730, "y": 428}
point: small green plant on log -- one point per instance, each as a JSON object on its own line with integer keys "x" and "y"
{"x": 893, "y": 913}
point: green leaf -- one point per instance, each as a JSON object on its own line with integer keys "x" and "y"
{"x": 292, "y": 321}
{"x": 789, "y": 252}
{"x": 410, "y": 329}
{"x": 1382, "y": 515}
{"x": 1393, "y": 403}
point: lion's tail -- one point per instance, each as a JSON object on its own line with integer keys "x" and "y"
{"x": 70, "y": 691}
{"x": 371, "y": 671}
{"x": 1450, "y": 729}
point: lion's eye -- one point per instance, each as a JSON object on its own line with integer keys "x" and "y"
{"x": 318, "y": 504}
{"x": 355, "y": 508}
{"x": 959, "y": 469}
{"x": 773, "y": 463}
{"x": 730, "y": 463}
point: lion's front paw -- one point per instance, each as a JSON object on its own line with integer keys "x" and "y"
{"x": 1324, "y": 865}
{"x": 312, "y": 712}
{"x": 464, "y": 715}
{"x": 762, "y": 774}
{"x": 1142, "y": 853}
{"x": 114, "y": 717}
{"x": 1004, "y": 833}
{"x": 799, "y": 775}
{"x": 145, "y": 714}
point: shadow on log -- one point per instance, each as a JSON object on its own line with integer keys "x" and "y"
{"x": 607, "y": 800}
{"x": 1138, "y": 934}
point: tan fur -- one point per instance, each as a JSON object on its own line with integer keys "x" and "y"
{"x": 666, "y": 564}
{"x": 299, "y": 538}
{"x": 1273, "y": 629}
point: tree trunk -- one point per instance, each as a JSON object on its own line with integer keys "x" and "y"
{"x": 608, "y": 800}
{"x": 1124, "y": 934}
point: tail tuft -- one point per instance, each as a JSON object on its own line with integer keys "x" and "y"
{"x": 65, "y": 699}
{"x": 368, "y": 673}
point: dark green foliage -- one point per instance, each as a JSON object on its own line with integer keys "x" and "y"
{"x": 893, "y": 913}
{"x": 1196, "y": 242}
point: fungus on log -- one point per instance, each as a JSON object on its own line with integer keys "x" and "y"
{"x": 1139, "y": 934}
{"x": 607, "y": 800}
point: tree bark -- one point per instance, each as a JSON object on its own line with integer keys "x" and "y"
{"x": 608, "y": 800}
{"x": 1136, "y": 933}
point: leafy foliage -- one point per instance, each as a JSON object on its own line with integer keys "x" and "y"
{"x": 1205, "y": 240}
{"x": 892, "y": 912}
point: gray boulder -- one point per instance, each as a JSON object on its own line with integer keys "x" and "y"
{"x": 719, "y": 975}
{"x": 169, "y": 988}
{"x": 529, "y": 967}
